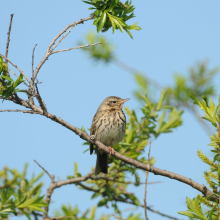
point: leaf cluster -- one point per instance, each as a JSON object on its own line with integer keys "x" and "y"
{"x": 18, "y": 194}
{"x": 8, "y": 86}
{"x": 199, "y": 82}
{"x": 195, "y": 211}
{"x": 212, "y": 176}
{"x": 89, "y": 214}
{"x": 113, "y": 14}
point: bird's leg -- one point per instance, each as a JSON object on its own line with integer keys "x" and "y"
{"x": 111, "y": 150}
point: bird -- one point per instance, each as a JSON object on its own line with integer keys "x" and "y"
{"x": 108, "y": 127}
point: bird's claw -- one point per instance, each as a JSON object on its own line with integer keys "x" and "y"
{"x": 111, "y": 151}
{"x": 92, "y": 138}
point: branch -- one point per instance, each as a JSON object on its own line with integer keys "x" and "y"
{"x": 201, "y": 188}
{"x": 132, "y": 70}
{"x": 145, "y": 193}
{"x": 51, "y": 177}
{"x": 61, "y": 39}
{"x": 16, "y": 67}
{"x": 8, "y": 40}
{"x": 73, "y": 48}
{"x": 18, "y": 110}
{"x": 62, "y": 217}
{"x": 149, "y": 208}
{"x": 50, "y": 50}
{"x": 33, "y": 60}
{"x": 41, "y": 101}
{"x": 119, "y": 199}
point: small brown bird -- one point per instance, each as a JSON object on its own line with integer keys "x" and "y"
{"x": 108, "y": 126}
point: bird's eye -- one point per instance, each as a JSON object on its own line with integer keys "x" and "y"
{"x": 114, "y": 101}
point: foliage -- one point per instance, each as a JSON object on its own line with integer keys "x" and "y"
{"x": 195, "y": 210}
{"x": 113, "y": 14}
{"x": 89, "y": 214}
{"x": 18, "y": 194}
{"x": 8, "y": 86}
{"x": 212, "y": 177}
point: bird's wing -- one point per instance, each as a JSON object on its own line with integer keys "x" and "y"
{"x": 93, "y": 130}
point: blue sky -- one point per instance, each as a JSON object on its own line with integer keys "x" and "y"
{"x": 174, "y": 35}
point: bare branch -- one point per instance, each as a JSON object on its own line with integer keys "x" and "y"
{"x": 73, "y": 48}
{"x": 49, "y": 49}
{"x": 119, "y": 199}
{"x": 41, "y": 101}
{"x": 16, "y": 67}
{"x": 61, "y": 39}
{"x": 18, "y": 110}
{"x": 132, "y": 70}
{"x": 145, "y": 193}
{"x": 118, "y": 217}
{"x": 51, "y": 177}
{"x": 61, "y": 217}
{"x": 149, "y": 208}
{"x": 8, "y": 40}
{"x": 33, "y": 60}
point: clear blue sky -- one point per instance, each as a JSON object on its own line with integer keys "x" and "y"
{"x": 175, "y": 35}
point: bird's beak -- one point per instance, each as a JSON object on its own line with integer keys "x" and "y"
{"x": 123, "y": 101}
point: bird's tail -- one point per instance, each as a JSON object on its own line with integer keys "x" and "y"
{"x": 101, "y": 163}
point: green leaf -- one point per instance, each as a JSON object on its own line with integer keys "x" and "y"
{"x": 189, "y": 214}
{"x": 25, "y": 213}
{"x": 7, "y": 77}
{"x": 18, "y": 81}
{"x": 162, "y": 97}
{"x": 1, "y": 64}
{"x": 102, "y": 202}
{"x": 101, "y": 22}
{"x": 129, "y": 33}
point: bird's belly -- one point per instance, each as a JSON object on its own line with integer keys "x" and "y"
{"x": 110, "y": 134}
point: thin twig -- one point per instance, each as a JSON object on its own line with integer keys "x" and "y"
{"x": 33, "y": 60}
{"x": 119, "y": 199}
{"x": 61, "y": 217}
{"x": 61, "y": 39}
{"x": 41, "y": 101}
{"x": 8, "y": 39}
{"x": 16, "y": 67}
{"x": 145, "y": 191}
{"x": 51, "y": 177}
{"x": 18, "y": 110}
{"x": 73, "y": 48}
{"x": 48, "y": 52}
{"x": 132, "y": 70}
{"x": 118, "y": 217}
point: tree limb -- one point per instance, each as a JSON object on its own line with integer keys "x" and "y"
{"x": 50, "y": 50}
{"x": 8, "y": 39}
{"x": 73, "y": 48}
{"x": 18, "y": 110}
{"x": 202, "y": 188}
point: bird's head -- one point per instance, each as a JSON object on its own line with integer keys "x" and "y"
{"x": 112, "y": 102}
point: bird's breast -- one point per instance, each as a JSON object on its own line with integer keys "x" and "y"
{"x": 110, "y": 128}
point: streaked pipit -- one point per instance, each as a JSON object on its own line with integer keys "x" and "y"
{"x": 108, "y": 126}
